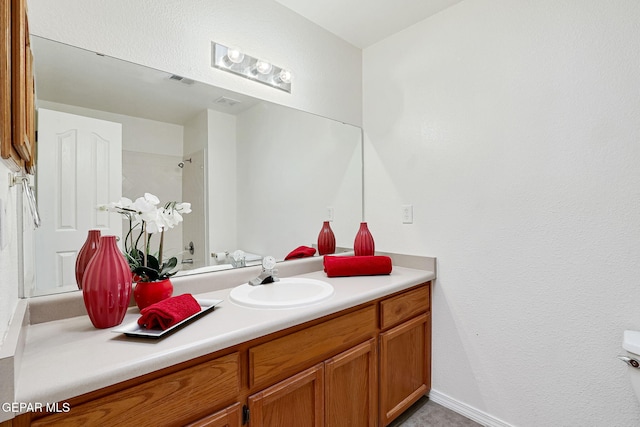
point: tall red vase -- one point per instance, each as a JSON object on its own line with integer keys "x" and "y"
{"x": 87, "y": 251}
{"x": 326, "y": 240}
{"x": 106, "y": 285}
{"x": 364, "y": 244}
{"x": 147, "y": 293}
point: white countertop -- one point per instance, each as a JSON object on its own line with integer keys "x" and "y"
{"x": 69, "y": 357}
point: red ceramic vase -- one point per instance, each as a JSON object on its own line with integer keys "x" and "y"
{"x": 364, "y": 244}
{"x": 87, "y": 251}
{"x": 147, "y": 293}
{"x": 326, "y": 240}
{"x": 106, "y": 285}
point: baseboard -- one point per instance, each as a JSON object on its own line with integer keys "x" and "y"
{"x": 466, "y": 410}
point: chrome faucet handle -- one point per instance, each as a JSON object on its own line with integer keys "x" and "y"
{"x": 268, "y": 274}
{"x": 268, "y": 263}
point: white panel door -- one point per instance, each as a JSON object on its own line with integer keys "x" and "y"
{"x": 79, "y": 167}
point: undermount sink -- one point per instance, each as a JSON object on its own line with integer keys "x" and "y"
{"x": 285, "y": 293}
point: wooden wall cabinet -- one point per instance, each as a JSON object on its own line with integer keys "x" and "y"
{"x": 361, "y": 367}
{"x": 17, "y": 103}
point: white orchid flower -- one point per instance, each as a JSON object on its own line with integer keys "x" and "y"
{"x": 183, "y": 207}
{"x": 146, "y": 207}
{"x": 145, "y": 214}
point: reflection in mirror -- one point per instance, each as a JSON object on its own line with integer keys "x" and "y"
{"x": 261, "y": 178}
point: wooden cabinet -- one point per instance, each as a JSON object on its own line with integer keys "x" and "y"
{"x": 228, "y": 417}
{"x": 297, "y": 401}
{"x": 282, "y": 357}
{"x": 340, "y": 392}
{"x": 351, "y": 398}
{"x": 17, "y": 102}
{"x": 361, "y": 367}
{"x": 405, "y": 366}
{"x": 173, "y": 399}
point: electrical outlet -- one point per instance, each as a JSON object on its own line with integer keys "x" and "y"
{"x": 329, "y": 214}
{"x": 407, "y": 214}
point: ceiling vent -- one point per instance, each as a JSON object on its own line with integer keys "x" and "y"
{"x": 181, "y": 79}
{"x": 230, "y": 102}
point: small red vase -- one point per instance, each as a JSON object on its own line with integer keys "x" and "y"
{"x": 147, "y": 293}
{"x": 87, "y": 251}
{"x": 326, "y": 240}
{"x": 106, "y": 285}
{"x": 364, "y": 244}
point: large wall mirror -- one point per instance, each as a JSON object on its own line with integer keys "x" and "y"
{"x": 261, "y": 178}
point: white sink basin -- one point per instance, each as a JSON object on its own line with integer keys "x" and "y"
{"x": 285, "y": 293}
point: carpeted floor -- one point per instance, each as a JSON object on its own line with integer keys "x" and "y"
{"x": 425, "y": 413}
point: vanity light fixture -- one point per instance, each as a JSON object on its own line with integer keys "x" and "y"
{"x": 262, "y": 67}
{"x": 235, "y": 61}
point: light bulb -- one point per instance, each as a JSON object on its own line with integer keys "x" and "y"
{"x": 235, "y": 56}
{"x": 263, "y": 67}
{"x": 284, "y": 76}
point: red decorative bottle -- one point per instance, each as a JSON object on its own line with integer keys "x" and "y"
{"x": 364, "y": 244}
{"x": 87, "y": 251}
{"x": 326, "y": 240}
{"x": 147, "y": 293}
{"x": 106, "y": 285}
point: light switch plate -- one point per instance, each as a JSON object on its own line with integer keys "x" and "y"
{"x": 407, "y": 214}
{"x": 329, "y": 214}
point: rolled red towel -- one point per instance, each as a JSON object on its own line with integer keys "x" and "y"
{"x": 336, "y": 266}
{"x": 301, "y": 252}
{"x": 168, "y": 312}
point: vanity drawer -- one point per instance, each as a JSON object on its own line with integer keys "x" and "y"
{"x": 174, "y": 399}
{"x": 397, "y": 309}
{"x": 294, "y": 352}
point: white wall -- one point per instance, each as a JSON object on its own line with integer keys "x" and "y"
{"x": 138, "y": 134}
{"x": 8, "y": 250}
{"x": 513, "y": 127}
{"x": 194, "y": 188}
{"x": 309, "y": 164}
{"x": 221, "y": 181}
{"x": 176, "y": 36}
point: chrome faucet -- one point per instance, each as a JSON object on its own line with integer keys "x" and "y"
{"x": 268, "y": 275}
{"x": 238, "y": 259}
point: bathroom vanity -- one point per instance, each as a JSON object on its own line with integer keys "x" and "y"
{"x": 359, "y": 358}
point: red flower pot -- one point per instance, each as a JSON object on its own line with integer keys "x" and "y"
{"x": 147, "y": 293}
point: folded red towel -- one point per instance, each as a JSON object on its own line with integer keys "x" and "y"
{"x": 301, "y": 252}
{"x": 168, "y": 312}
{"x": 336, "y": 266}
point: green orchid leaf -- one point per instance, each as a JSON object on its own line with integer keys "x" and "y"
{"x": 147, "y": 274}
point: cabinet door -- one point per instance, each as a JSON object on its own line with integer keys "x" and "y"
{"x": 22, "y": 83}
{"x": 297, "y": 401}
{"x": 6, "y": 146}
{"x": 228, "y": 417}
{"x": 350, "y": 387}
{"x": 405, "y": 361}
